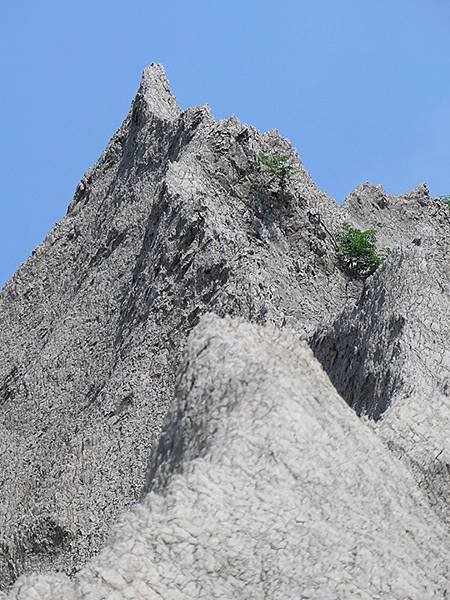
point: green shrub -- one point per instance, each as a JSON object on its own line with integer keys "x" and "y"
{"x": 357, "y": 251}
{"x": 277, "y": 165}
{"x": 445, "y": 199}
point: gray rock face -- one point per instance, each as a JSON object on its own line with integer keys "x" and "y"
{"x": 266, "y": 445}
{"x": 176, "y": 220}
{"x": 412, "y": 219}
{"x": 388, "y": 354}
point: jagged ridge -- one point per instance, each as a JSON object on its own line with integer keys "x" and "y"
{"x": 174, "y": 221}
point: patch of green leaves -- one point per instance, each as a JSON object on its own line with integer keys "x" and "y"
{"x": 277, "y": 166}
{"x": 445, "y": 199}
{"x": 357, "y": 251}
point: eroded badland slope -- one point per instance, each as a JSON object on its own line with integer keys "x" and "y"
{"x": 197, "y": 401}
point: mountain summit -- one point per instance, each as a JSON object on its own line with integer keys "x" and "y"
{"x": 197, "y": 399}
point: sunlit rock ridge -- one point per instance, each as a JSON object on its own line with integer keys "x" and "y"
{"x": 198, "y": 402}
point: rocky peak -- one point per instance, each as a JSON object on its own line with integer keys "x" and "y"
{"x": 178, "y": 219}
{"x": 155, "y": 96}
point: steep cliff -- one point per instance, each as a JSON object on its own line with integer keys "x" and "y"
{"x": 388, "y": 354}
{"x": 177, "y": 219}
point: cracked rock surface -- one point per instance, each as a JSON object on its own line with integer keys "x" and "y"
{"x": 388, "y": 355}
{"x": 253, "y": 455}
{"x": 177, "y": 220}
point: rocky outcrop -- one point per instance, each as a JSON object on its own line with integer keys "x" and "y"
{"x": 268, "y": 486}
{"x": 412, "y": 219}
{"x": 176, "y": 220}
{"x": 388, "y": 356}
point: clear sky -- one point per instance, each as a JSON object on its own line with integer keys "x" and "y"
{"x": 361, "y": 87}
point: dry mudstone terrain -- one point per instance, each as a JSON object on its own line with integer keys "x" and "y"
{"x": 202, "y": 397}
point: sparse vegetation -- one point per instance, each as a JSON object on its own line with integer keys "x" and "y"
{"x": 277, "y": 166}
{"x": 357, "y": 251}
{"x": 446, "y": 200}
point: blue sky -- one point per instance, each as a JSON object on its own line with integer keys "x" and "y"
{"x": 361, "y": 88}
